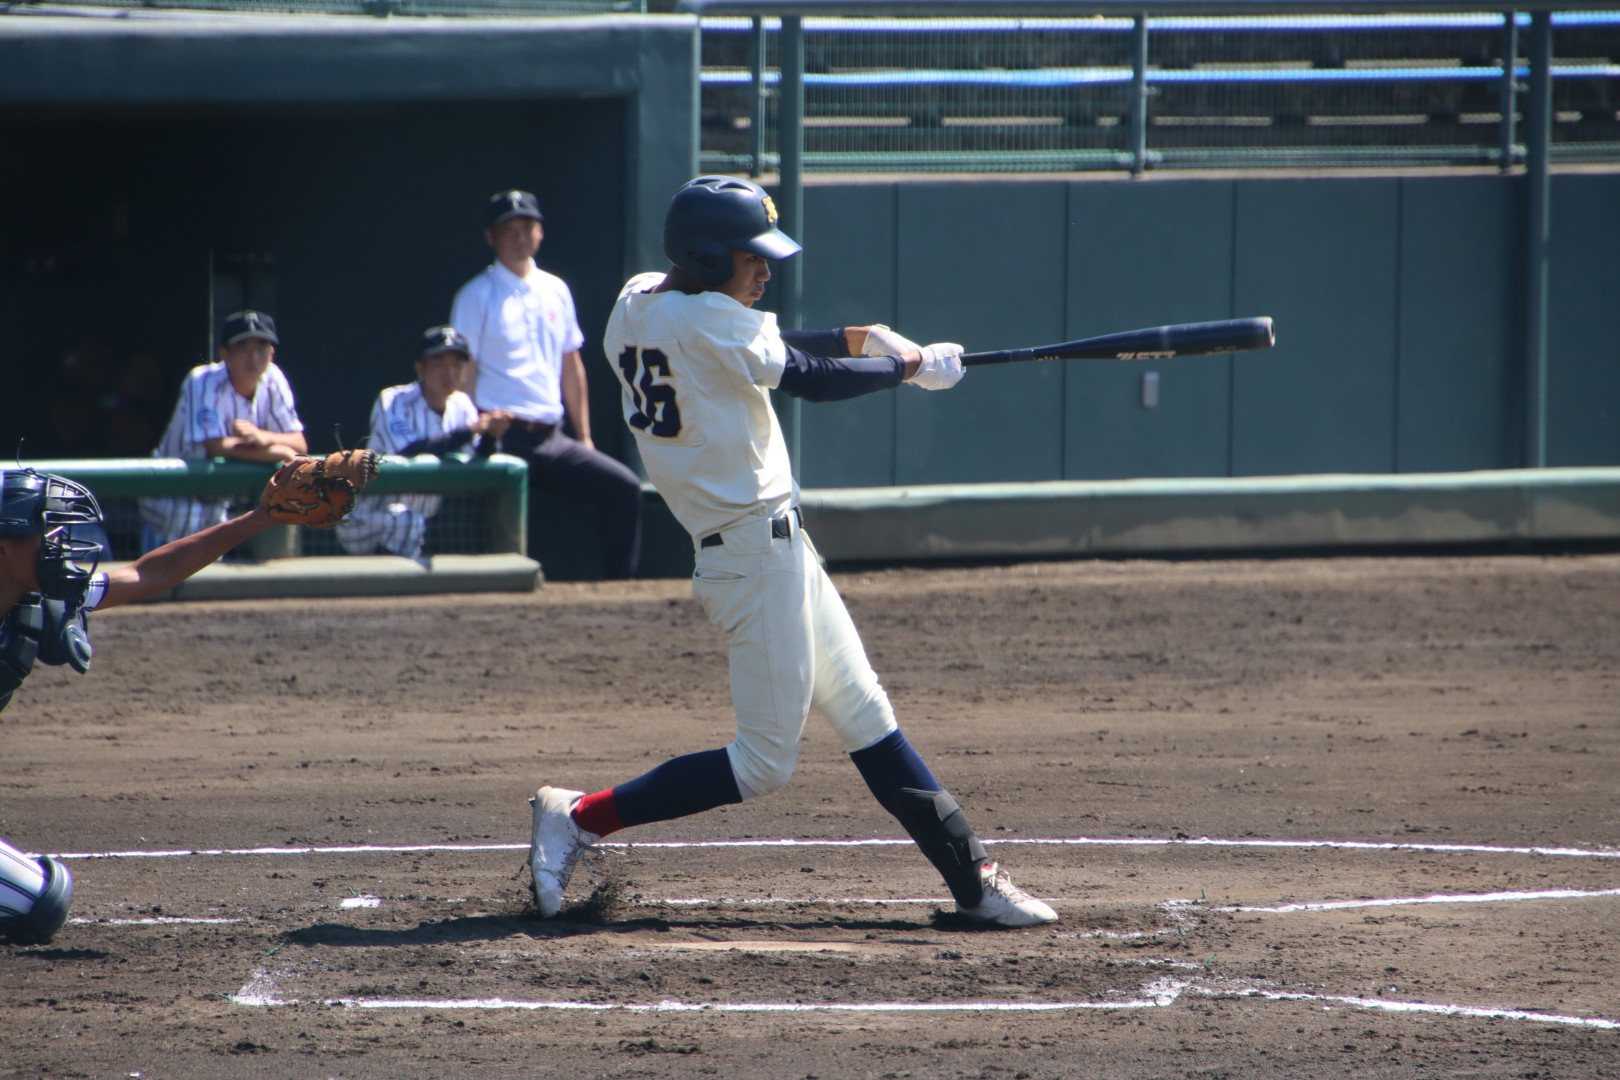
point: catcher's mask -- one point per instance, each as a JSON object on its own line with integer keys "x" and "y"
{"x": 68, "y": 520}
{"x": 34, "y": 896}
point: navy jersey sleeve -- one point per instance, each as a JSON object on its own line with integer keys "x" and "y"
{"x": 823, "y": 378}
{"x": 818, "y": 342}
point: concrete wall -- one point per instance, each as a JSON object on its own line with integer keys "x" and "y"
{"x": 1398, "y": 325}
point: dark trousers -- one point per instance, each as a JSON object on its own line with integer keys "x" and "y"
{"x": 564, "y": 466}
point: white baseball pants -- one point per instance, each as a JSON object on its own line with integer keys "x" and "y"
{"x": 793, "y": 647}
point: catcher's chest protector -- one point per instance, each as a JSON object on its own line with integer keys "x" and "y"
{"x": 42, "y": 630}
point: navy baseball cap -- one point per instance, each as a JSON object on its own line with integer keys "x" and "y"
{"x": 511, "y": 204}
{"x": 250, "y": 324}
{"x": 438, "y": 339}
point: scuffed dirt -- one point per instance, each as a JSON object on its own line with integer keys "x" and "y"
{"x": 1455, "y": 706}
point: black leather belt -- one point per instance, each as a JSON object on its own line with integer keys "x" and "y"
{"x": 539, "y": 431}
{"x": 781, "y": 529}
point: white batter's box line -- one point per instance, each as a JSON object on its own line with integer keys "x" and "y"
{"x": 1438, "y": 898}
{"x": 1202, "y": 841}
{"x": 261, "y": 992}
{"x": 157, "y": 920}
{"x": 1475, "y": 1011}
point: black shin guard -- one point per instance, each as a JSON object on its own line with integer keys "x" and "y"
{"x": 937, "y": 824}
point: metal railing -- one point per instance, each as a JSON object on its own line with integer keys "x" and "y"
{"x": 380, "y": 8}
{"x": 1176, "y": 91}
{"x": 493, "y": 494}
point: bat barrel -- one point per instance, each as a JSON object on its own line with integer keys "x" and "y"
{"x": 1154, "y": 343}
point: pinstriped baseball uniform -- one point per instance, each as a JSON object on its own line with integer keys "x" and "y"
{"x": 208, "y": 405}
{"x": 696, "y": 373}
{"x": 397, "y": 524}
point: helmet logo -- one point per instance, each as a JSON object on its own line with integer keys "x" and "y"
{"x": 770, "y": 209}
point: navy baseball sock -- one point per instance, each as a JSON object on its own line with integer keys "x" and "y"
{"x": 907, "y": 789}
{"x": 891, "y": 764}
{"x": 679, "y": 787}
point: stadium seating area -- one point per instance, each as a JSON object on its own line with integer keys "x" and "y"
{"x": 921, "y": 93}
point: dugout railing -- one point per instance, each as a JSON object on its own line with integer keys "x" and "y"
{"x": 485, "y": 509}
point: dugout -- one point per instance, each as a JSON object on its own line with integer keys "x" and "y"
{"x": 163, "y": 170}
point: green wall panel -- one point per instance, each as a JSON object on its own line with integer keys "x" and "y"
{"x": 982, "y": 265}
{"x": 1319, "y": 256}
{"x": 1583, "y": 384}
{"x": 850, "y": 260}
{"x": 1460, "y": 335}
{"x": 1148, "y": 254}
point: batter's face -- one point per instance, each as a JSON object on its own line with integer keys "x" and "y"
{"x": 516, "y": 239}
{"x": 750, "y": 272}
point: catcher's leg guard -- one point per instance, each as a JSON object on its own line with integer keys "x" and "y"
{"x": 935, "y": 821}
{"x": 34, "y": 896}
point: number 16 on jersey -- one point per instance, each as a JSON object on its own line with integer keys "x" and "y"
{"x": 656, "y": 411}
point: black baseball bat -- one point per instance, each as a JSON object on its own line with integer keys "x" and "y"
{"x": 1154, "y": 343}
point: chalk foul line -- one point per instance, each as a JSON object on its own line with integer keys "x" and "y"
{"x": 1079, "y": 841}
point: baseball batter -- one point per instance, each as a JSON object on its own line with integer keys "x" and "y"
{"x": 52, "y": 539}
{"x": 697, "y": 365}
{"x": 429, "y": 416}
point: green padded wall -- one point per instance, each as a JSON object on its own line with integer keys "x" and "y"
{"x": 1148, "y": 254}
{"x": 1460, "y": 326}
{"x": 982, "y": 265}
{"x": 1399, "y": 324}
{"x": 1583, "y": 385}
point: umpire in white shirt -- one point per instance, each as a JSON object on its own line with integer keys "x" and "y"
{"x": 525, "y": 339}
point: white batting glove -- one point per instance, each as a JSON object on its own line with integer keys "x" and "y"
{"x": 881, "y": 341}
{"x": 941, "y": 367}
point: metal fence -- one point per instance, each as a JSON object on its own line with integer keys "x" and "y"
{"x": 1020, "y": 94}
{"x": 347, "y": 7}
{"x": 483, "y": 505}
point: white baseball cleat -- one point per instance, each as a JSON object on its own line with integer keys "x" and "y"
{"x": 557, "y": 846}
{"x": 1005, "y": 904}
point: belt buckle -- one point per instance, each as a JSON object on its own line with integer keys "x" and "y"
{"x": 782, "y": 527}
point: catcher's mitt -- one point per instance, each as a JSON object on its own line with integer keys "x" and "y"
{"x": 318, "y": 492}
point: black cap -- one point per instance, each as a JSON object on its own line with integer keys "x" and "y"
{"x": 250, "y": 324}
{"x": 511, "y": 204}
{"x": 438, "y": 339}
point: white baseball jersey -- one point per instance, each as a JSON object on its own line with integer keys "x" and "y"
{"x": 696, "y": 374}
{"x": 519, "y": 330}
{"x": 208, "y": 406}
{"x": 398, "y": 523}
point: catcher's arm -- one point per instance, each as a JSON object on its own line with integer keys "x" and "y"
{"x": 163, "y": 568}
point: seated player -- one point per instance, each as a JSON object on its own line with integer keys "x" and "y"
{"x": 241, "y": 408}
{"x": 429, "y": 416}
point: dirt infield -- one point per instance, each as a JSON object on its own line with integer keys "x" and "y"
{"x": 1301, "y": 818}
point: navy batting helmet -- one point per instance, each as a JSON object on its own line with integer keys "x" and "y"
{"x": 67, "y": 517}
{"x": 713, "y": 216}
